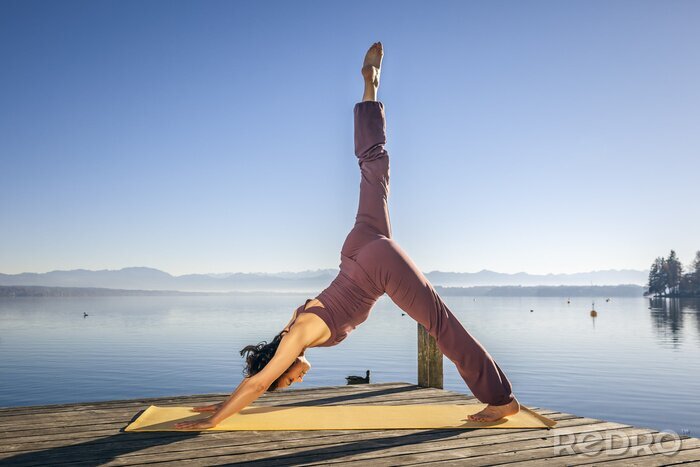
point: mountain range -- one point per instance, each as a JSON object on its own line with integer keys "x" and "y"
{"x": 144, "y": 278}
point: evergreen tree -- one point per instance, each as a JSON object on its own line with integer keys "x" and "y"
{"x": 674, "y": 270}
{"x": 657, "y": 276}
{"x": 666, "y": 276}
{"x": 695, "y": 275}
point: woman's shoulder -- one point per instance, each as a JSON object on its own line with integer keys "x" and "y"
{"x": 307, "y": 306}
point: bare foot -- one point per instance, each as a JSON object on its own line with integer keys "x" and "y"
{"x": 371, "y": 68}
{"x": 491, "y": 413}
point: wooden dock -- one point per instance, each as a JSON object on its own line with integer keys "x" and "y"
{"x": 89, "y": 434}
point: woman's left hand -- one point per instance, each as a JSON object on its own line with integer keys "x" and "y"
{"x": 201, "y": 424}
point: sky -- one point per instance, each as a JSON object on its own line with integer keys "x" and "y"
{"x": 211, "y": 137}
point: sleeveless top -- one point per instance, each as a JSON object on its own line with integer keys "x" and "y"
{"x": 347, "y": 301}
{"x": 322, "y": 313}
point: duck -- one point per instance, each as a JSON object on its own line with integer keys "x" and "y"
{"x": 358, "y": 379}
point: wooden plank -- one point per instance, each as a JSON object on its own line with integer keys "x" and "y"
{"x": 156, "y": 400}
{"x": 231, "y": 439}
{"x": 430, "y": 374}
{"x": 56, "y": 435}
{"x": 318, "y": 397}
{"x": 202, "y": 446}
{"x": 67, "y": 421}
{"x": 88, "y": 434}
{"x": 251, "y": 441}
{"x": 153, "y": 400}
{"x": 397, "y": 451}
{"x": 91, "y": 431}
{"x": 301, "y": 399}
{"x": 546, "y": 455}
{"x": 28, "y": 440}
{"x": 88, "y": 428}
{"x": 367, "y": 448}
{"x": 9, "y": 422}
{"x": 43, "y": 441}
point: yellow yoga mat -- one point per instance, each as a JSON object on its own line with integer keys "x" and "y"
{"x": 340, "y": 417}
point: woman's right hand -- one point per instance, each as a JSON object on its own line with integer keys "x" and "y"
{"x": 207, "y": 408}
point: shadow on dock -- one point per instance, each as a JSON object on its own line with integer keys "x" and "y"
{"x": 96, "y": 451}
{"x": 102, "y": 450}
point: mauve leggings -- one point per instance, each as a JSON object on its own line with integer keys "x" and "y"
{"x": 386, "y": 268}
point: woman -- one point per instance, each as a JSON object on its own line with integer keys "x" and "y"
{"x": 372, "y": 264}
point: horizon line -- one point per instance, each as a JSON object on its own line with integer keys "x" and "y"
{"x": 323, "y": 269}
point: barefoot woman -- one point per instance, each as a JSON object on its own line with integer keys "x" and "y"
{"x": 372, "y": 264}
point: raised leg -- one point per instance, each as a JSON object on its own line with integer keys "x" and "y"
{"x": 372, "y": 219}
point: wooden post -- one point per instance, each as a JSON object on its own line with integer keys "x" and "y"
{"x": 429, "y": 360}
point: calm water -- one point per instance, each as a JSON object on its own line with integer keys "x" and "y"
{"x": 632, "y": 364}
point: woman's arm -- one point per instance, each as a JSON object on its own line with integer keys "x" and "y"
{"x": 250, "y": 389}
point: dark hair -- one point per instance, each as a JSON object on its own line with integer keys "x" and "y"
{"x": 257, "y": 356}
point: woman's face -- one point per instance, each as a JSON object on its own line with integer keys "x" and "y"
{"x": 295, "y": 373}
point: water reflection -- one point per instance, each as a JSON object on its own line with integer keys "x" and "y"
{"x": 668, "y": 317}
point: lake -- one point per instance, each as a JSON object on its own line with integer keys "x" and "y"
{"x": 637, "y": 362}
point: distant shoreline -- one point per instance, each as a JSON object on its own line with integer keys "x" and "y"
{"x": 625, "y": 290}
{"x": 673, "y": 295}
{"x": 42, "y": 291}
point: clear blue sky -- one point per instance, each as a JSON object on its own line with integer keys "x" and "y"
{"x": 217, "y": 136}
